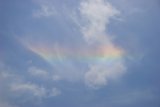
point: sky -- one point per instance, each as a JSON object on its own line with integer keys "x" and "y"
{"x": 79, "y": 53}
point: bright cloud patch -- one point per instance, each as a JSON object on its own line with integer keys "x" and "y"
{"x": 27, "y": 88}
{"x": 30, "y": 89}
{"x": 44, "y": 11}
{"x": 37, "y": 72}
{"x": 97, "y": 14}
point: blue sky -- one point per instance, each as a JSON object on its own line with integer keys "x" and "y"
{"x": 79, "y": 53}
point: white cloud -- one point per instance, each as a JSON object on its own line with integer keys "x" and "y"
{"x": 100, "y": 73}
{"x": 55, "y": 92}
{"x": 96, "y": 15}
{"x": 13, "y": 85}
{"x": 34, "y": 90}
{"x": 56, "y": 78}
{"x": 28, "y": 88}
{"x": 34, "y": 71}
{"x": 40, "y": 73}
{"x": 45, "y": 11}
{"x": 7, "y": 75}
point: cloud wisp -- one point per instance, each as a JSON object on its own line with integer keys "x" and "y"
{"x": 45, "y": 10}
{"x": 97, "y": 15}
{"x": 34, "y": 90}
{"x": 28, "y": 88}
{"x": 17, "y": 86}
{"x": 34, "y": 71}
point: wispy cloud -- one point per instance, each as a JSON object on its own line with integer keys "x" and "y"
{"x": 96, "y": 15}
{"x": 45, "y": 10}
{"x": 28, "y": 88}
{"x": 16, "y": 85}
{"x": 34, "y": 90}
{"x": 100, "y": 73}
{"x": 40, "y": 73}
{"x": 34, "y": 71}
{"x": 55, "y": 92}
